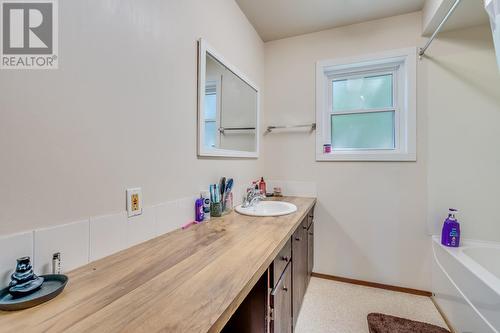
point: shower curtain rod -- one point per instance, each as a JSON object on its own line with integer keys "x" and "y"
{"x": 422, "y": 50}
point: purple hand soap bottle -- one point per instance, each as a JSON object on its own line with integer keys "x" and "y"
{"x": 198, "y": 210}
{"x": 451, "y": 230}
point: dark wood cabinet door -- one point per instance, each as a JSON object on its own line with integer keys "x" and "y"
{"x": 296, "y": 275}
{"x": 310, "y": 245}
{"x": 299, "y": 270}
{"x": 281, "y": 303}
{"x": 303, "y": 263}
{"x": 283, "y": 258}
{"x": 310, "y": 251}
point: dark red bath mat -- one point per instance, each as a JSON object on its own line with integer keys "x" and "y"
{"x": 381, "y": 323}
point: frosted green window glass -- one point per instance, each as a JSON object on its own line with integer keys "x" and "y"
{"x": 373, "y": 130}
{"x": 371, "y": 92}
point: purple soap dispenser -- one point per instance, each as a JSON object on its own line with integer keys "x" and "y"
{"x": 451, "y": 230}
{"x": 199, "y": 214}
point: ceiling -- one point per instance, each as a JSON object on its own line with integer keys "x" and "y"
{"x": 275, "y": 19}
{"x": 468, "y": 13}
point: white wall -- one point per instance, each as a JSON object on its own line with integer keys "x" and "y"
{"x": 370, "y": 216}
{"x": 119, "y": 112}
{"x": 463, "y": 89}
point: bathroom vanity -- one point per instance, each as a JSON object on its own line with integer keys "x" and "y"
{"x": 234, "y": 273}
{"x": 274, "y": 303}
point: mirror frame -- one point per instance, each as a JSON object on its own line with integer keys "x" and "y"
{"x": 203, "y": 49}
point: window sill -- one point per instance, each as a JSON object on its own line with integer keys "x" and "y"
{"x": 367, "y": 157}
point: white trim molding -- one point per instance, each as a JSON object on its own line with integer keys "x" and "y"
{"x": 402, "y": 64}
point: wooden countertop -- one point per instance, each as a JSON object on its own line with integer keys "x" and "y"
{"x": 189, "y": 280}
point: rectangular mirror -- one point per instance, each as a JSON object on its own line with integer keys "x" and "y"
{"x": 228, "y": 108}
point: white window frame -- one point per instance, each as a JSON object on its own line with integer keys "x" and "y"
{"x": 402, "y": 64}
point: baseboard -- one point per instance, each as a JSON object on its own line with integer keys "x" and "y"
{"x": 373, "y": 284}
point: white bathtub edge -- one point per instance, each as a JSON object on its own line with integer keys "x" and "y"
{"x": 477, "y": 312}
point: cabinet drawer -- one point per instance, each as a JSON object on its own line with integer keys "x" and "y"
{"x": 279, "y": 264}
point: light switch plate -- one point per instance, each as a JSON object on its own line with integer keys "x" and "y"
{"x": 134, "y": 201}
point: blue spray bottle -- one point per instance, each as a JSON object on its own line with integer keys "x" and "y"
{"x": 451, "y": 230}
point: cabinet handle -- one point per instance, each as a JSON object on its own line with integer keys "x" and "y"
{"x": 311, "y": 233}
{"x": 285, "y": 258}
{"x": 285, "y": 289}
{"x": 297, "y": 238}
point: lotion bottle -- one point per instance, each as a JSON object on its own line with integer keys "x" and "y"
{"x": 262, "y": 186}
{"x": 450, "y": 235}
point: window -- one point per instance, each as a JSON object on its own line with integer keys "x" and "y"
{"x": 212, "y": 111}
{"x": 366, "y": 108}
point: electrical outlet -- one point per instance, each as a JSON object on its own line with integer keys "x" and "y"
{"x": 56, "y": 263}
{"x": 134, "y": 201}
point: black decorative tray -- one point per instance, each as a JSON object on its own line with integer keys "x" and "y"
{"x": 52, "y": 286}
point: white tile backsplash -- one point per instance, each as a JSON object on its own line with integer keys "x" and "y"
{"x": 108, "y": 234}
{"x": 71, "y": 240}
{"x": 101, "y": 236}
{"x": 166, "y": 218}
{"x": 11, "y": 248}
{"x": 142, "y": 227}
{"x": 294, "y": 188}
{"x": 238, "y": 194}
{"x": 185, "y": 207}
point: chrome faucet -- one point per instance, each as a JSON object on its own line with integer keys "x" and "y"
{"x": 252, "y": 197}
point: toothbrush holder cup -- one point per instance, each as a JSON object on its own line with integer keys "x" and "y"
{"x": 215, "y": 209}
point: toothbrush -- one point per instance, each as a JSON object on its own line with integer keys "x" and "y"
{"x": 212, "y": 193}
{"x": 222, "y": 185}
{"x": 227, "y": 190}
{"x": 229, "y": 186}
{"x": 222, "y": 188}
{"x": 187, "y": 225}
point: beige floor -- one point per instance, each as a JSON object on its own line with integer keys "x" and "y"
{"x": 335, "y": 307}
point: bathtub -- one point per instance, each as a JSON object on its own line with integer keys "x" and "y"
{"x": 466, "y": 285}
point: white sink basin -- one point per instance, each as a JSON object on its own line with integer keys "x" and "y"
{"x": 268, "y": 208}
